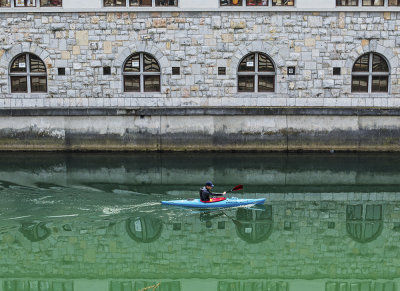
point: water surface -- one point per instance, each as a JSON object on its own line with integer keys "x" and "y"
{"x": 94, "y": 222}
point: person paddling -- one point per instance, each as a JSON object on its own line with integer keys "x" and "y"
{"x": 205, "y": 192}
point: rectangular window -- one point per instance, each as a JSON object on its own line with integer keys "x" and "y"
{"x": 50, "y": 3}
{"x": 5, "y": 3}
{"x": 372, "y": 2}
{"x": 282, "y": 2}
{"x": 245, "y": 83}
{"x": 151, "y": 83}
{"x": 140, "y": 2}
{"x": 394, "y": 2}
{"x": 166, "y": 2}
{"x": 231, "y": 2}
{"x": 359, "y": 84}
{"x": 19, "y": 84}
{"x": 132, "y": 83}
{"x": 111, "y": 3}
{"x": 380, "y": 83}
{"x": 266, "y": 83}
{"x": 346, "y": 2}
{"x": 256, "y": 2}
{"x": 25, "y": 3}
{"x": 38, "y": 84}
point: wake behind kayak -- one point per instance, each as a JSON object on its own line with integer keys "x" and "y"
{"x": 229, "y": 202}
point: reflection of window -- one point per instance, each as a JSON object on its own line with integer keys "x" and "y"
{"x": 363, "y": 285}
{"x": 252, "y": 286}
{"x": 370, "y": 74}
{"x": 256, "y": 73}
{"x": 364, "y": 223}
{"x": 254, "y": 226}
{"x": 35, "y": 231}
{"x": 141, "y": 74}
{"x": 144, "y": 229}
{"x": 28, "y": 74}
{"x": 19, "y": 285}
{"x": 145, "y": 285}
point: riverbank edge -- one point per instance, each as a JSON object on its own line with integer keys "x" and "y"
{"x": 242, "y": 129}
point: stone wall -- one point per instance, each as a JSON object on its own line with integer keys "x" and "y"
{"x": 199, "y": 43}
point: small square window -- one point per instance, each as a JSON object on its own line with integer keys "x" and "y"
{"x": 176, "y": 71}
{"x": 106, "y": 70}
{"x": 291, "y": 70}
{"x": 221, "y": 71}
{"x": 331, "y": 225}
{"x": 336, "y": 71}
{"x": 61, "y": 71}
{"x": 221, "y": 224}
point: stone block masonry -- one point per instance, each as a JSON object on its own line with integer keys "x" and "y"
{"x": 199, "y": 43}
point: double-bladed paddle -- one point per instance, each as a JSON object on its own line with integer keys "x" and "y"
{"x": 236, "y": 188}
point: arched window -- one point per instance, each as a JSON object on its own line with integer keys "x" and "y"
{"x": 141, "y": 74}
{"x": 28, "y": 74}
{"x": 256, "y": 73}
{"x": 370, "y": 74}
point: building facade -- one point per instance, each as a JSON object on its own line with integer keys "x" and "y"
{"x": 201, "y": 75}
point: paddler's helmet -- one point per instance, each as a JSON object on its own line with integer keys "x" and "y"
{"x": 209, "y": 183}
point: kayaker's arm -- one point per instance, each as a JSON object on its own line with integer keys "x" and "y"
{"x": 218, "y": 194}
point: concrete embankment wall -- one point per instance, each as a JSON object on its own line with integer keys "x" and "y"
{"x": 201, "y": 129}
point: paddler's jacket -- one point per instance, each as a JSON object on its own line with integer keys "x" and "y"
{"x": 205, "y": 194}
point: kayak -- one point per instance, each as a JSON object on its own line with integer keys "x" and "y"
{"x": 228, "y": 202}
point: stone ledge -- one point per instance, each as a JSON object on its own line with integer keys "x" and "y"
{"x": 198, "y": 111}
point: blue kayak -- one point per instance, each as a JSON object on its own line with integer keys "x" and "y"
{"x": 228, "y": 202}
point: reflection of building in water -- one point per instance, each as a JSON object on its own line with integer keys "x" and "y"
{"x": 254, "y": 225}
{"x": 293, "y": 238}
{"x": 39, "y": 285}
{"x": 35, "y": 231}
{"x": 364, "y": 222}
{"x": 144, "y": 229}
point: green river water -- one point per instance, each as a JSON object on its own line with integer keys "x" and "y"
{"x": 94, "y": 222}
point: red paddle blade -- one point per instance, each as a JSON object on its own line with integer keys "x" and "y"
{"x": 237, "y": 188}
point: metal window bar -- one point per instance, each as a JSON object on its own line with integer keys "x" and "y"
{"x": 256, "y": 73}
{"x": 141, "y": 72}
{"x": 372, "y": 74}
{"x": 26, "y": 74}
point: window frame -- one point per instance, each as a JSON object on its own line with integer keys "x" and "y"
{"x": 269, "y": 4}
{"x": 141, "y": 73}
{"x": 37, "y": 5}
{"x": 360, "y": 4}
{"x": 256, "y": 73}
{"x": 127, "y": 5}
{"x": 28, "y": 74}
{"x": 370, "y": 74}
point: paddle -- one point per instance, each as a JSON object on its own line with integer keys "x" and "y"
{"x": 236, "y": 188}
